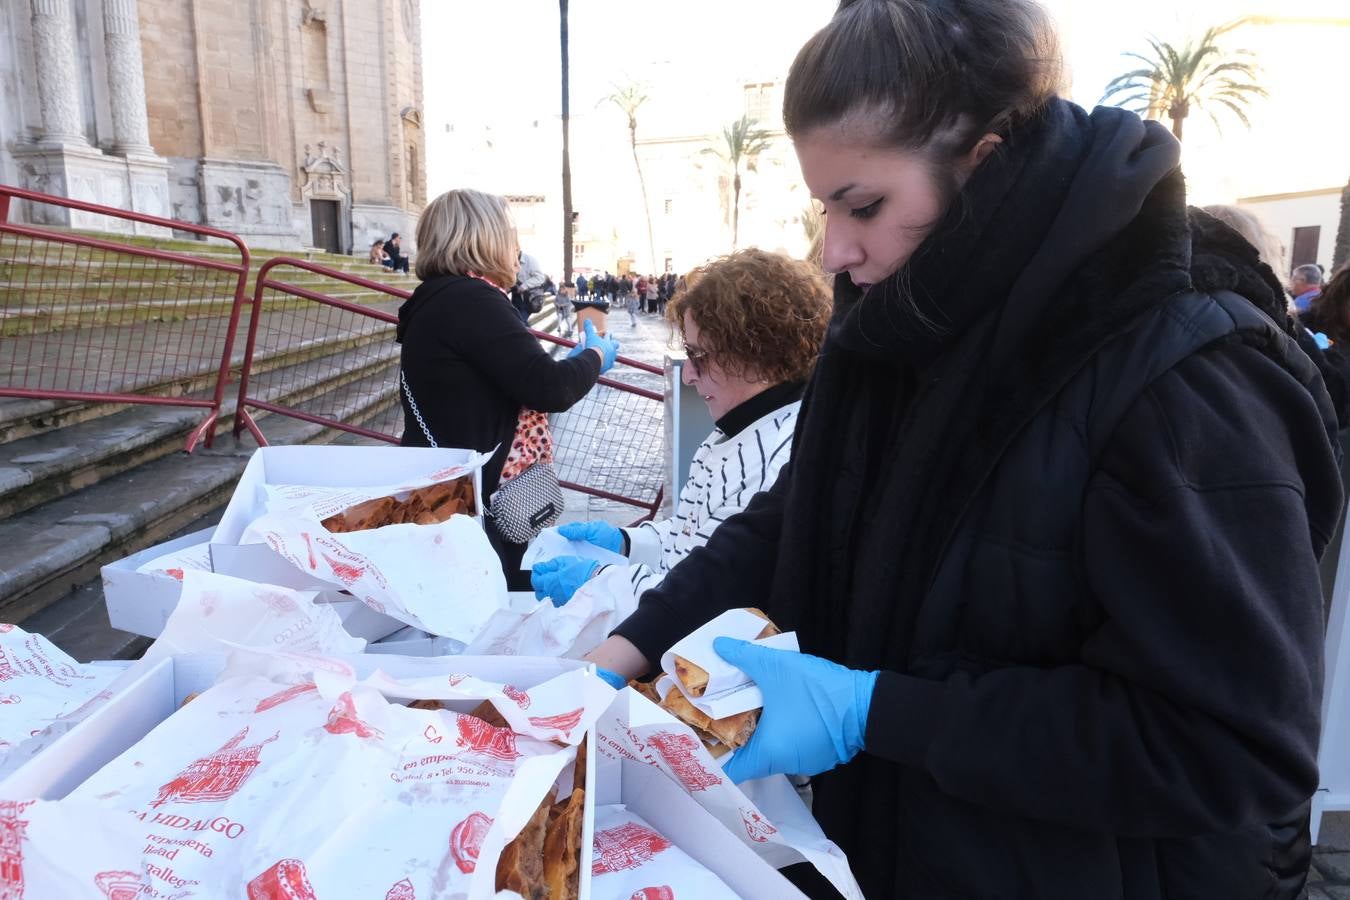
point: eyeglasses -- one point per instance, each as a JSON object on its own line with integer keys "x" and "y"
{"x": 696, "y": 357}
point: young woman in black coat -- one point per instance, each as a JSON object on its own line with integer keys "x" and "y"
{"x": 469, "y": 363}
{"x": 1050, "y": 532}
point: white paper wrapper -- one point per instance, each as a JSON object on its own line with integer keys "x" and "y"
{"x": 43, "y": 693}
{"x": 318, "y": 502}
{"x": 636, "y": 729}
{"x": 633, "y": 861}
{"x": 278, "y": 787}
{"x": 531, "y": 627}
{"x": 444, "y": 578}
{"x": 216, "y": 613}
{"x": 549, "y": 544}
{"x": 195, "y": 558}
{"x": 730, "y": 691}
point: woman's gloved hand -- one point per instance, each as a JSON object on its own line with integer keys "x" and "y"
{"x": 608, "y": 348}
{"x": 559, "y": 578}
{"x": 613, "y": 679}
{"x": 601, "y": 534}
{"x": 814, "y": 717}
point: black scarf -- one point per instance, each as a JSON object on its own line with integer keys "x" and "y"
{"x": 919, "y": 377}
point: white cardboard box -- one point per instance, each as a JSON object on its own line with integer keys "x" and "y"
{"x": 141, "y": 602}
{"x": 326, "y": 466}
{"x": 160, "y": 690}
{"x": 666, "y": 807}
{"x": 332, "y": 466}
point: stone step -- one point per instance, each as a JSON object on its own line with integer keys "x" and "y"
{"x": 22, "y": 268}
{"x": 48, "y": 551}
{"x": 47, "y": 466}
{"x": 226, "y": 250}
{"x": 68, "y": 312}
{"x": 99, "y": 348}
{"x": 78, "y": 622}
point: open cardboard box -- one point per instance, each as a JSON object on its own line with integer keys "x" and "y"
{"x": 141, "y": 602}
{"x": 665, "y": 806}
{"x": 158, "y": 690}
{"x": 326, "y": 466}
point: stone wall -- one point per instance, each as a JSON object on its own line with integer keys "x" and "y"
{"x": 283, "y": 84}
{"x": 169, "y": 48}
{"x": 249, "y": 110}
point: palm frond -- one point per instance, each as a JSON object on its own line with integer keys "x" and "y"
{"x": 1139, "y": 79}
{"x": 1197, "y": 75}
{"x": 1236, "y": 109}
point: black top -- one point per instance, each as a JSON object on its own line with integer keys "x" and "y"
{"x": 471, "y": 365}
{"x": 1076, "y": 526}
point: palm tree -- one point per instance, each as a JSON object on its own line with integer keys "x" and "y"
{"x": 1177, "y": 80}
{"x": 566, "y": 148}
{"x": 628, "y": 99}
{"x": 741, "y": 143}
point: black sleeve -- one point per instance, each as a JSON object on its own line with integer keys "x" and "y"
{"x": 1194, "y": 706}
{"x": 496, "y": 342}
{"x": 1335, "y": 368}
{"x": 732, "y": 570}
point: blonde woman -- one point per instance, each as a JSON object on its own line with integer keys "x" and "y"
{"x": 469, "y": 363}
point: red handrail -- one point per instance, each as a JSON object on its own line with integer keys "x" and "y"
{"x": 267, "y": 280}
{"x": 36, "y": 233}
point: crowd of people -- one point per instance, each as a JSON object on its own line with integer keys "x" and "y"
{"x": 1039, "y": 469}
{"x": 638, "y": 294}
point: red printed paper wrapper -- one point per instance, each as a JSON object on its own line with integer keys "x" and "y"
{"x": 317, "y": 502}
{"x": 219, "y": 612}
{"x": 195, "y": 558}
{"x": 303, "y": 788}
{"x": 43, "y": 693}
{"x": 445, "y": 578}
{"x": 631, "y": 859}
{"x": 767, "y": 815}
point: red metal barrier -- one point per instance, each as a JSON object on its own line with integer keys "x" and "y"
{"x": 89, "y": 319}
{"x": 604, "y": 446}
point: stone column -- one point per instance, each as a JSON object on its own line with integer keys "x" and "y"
{"x": 58, "y": 85}
{"x": 126, "y": 78}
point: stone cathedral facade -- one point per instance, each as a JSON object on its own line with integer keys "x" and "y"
{"x": 293, "y": 123}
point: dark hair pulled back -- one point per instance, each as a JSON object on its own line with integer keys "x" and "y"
{"x": 930, "y": 76}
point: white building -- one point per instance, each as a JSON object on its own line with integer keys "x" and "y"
{"x": 1304, "y": 221}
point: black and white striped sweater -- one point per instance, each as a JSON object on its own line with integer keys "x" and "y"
{"x": 725, "y": 473}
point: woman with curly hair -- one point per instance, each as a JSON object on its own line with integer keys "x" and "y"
{"x": 752, "y": 325}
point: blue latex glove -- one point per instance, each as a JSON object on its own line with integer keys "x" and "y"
{"x": 609, "y": 347}
{"x": 815, "y": 712}
{"x": 559, "y": 578}
{"x": 601, "y": 534}
{"x": 613, "y": 679}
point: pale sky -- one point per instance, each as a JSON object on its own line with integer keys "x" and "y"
{"x": 491, "y": 73}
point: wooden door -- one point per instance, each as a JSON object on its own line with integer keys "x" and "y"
{"x": 323, "y": 215}
{"x": 1305, "y": 245}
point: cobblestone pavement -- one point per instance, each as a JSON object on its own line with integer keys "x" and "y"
{"x": 1330, "y": 876}
{"x": 626, "y": 450}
